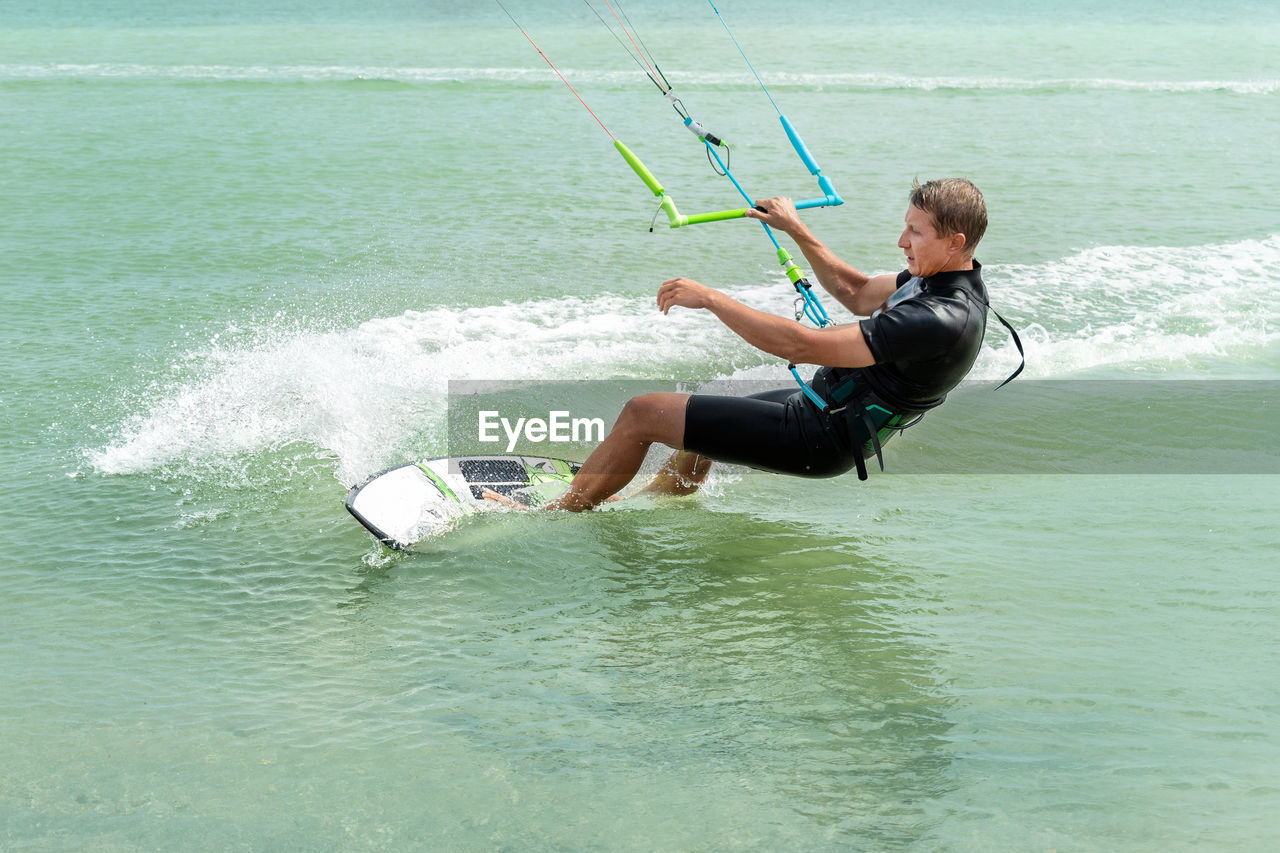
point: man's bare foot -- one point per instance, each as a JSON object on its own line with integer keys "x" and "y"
{"x": 506, "y": 500}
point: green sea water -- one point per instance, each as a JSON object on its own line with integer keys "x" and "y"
{"x": 249, "y": 245}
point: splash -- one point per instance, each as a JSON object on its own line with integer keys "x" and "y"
{"x": 363, "y": 395}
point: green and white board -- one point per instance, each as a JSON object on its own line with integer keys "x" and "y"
{"x": 408, "y": 503}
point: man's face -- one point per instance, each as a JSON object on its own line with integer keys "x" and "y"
{"x": 927, "y": 253}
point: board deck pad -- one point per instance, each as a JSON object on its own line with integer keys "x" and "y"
{"x": 408, "y": 503}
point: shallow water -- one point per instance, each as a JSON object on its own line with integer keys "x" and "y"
{"x": 257, "y": 242}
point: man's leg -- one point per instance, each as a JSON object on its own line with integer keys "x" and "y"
{"x": 612, "y": 465}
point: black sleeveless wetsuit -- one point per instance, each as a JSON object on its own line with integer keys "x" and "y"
{"x": 924, "y": 342}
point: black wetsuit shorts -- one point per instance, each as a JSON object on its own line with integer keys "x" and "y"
{"x": 780, "y": 431}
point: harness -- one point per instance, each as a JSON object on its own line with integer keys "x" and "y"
{"x": 878, "y": 426}
{"x": 845, "y": 395}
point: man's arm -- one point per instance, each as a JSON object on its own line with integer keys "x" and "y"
{"x": 855, "y": 290}
{"x": 835, "y": 346}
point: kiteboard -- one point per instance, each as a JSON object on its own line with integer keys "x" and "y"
{"x": 408, "y": 503}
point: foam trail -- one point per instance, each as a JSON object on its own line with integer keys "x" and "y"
{"x": 362, "y": 394}
{"x": 1154, "y": 309}
{"x": 372, "y": 394}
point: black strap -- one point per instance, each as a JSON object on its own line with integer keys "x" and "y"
{"x": 860, "y": 463}
{"x": 1017, "y": 342}
{"x": 865, "y": 417}
{"x": 826, "y": 417}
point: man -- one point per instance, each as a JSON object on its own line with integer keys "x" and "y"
{"x": 923, "y": 333}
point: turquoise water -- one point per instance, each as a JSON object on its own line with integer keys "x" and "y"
{"x": 250, "y": 244}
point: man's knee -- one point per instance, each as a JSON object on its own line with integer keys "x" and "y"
{"x": 639, "y": 409}
{"x": 652, "y": 417}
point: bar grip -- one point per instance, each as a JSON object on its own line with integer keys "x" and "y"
{"x": 717, "y": 216}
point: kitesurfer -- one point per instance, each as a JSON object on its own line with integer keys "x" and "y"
{"x": 922, "y": 332}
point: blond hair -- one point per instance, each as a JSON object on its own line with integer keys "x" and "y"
{"x": 956, "y": 207}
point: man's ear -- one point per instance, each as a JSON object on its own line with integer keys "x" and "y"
{"x": 955, "y": 243}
